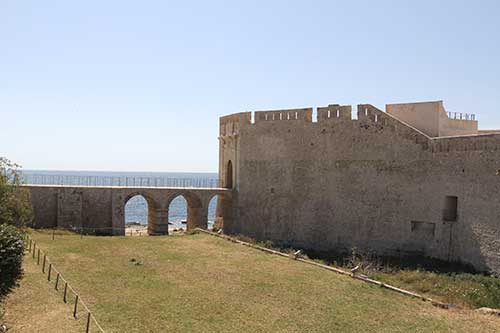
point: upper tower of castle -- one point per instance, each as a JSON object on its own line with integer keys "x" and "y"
{"x": 432, "y": 119}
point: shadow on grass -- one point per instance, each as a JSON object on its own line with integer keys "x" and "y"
{"x": 451, "y": 282}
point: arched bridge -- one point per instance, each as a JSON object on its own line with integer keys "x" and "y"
{"x": 102, "y": 208}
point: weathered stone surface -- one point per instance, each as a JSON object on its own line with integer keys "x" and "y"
{"x": 374, "y": 182}
{"x": 103, "y": 208}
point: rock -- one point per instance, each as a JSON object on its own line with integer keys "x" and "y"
{"x": 489, "y": 311}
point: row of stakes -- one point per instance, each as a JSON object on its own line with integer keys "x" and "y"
{"x": 32, "y": 248}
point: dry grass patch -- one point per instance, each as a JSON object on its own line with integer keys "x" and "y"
{"x": 36, "y": 307}
{"x": 202, "y": 283}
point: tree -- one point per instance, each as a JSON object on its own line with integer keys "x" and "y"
{"x": 15, "y": 205}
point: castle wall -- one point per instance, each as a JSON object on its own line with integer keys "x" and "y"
{"x": 374, "y": 183}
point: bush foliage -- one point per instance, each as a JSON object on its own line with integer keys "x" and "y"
{"x": 15, "y": 211}
{"x": 11, "y": 257}
{"x": 15, "y": 206}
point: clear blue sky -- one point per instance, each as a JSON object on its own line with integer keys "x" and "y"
{"x": 139, "y": 85}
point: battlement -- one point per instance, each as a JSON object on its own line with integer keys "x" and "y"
{"x": 231, "y": 125}
{"x": 461, "y": 134}
{"x": 304, "y": 115}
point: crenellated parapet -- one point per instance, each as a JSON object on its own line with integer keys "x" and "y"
{"x": 294, "y": 115}
{"x": 367, "y": 116}
{"x": 334, "y": 112}
{"x": 230, "y": 125}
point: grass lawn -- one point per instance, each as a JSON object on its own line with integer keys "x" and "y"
{"x": 202, "y": 283}
{"x": 462, "y": 289}
{"x": 36, "y": 307}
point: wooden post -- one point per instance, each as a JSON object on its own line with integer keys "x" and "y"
{"x": 57, "y": 280}
{"x": 29, "y": 249}
{"x": 38, "y": 258}
{"x": 43, "y": 265}
{"x": 53, "y": 233}
{"x": 88, "y": 323}
{"x": 50, "y": 268}
{"x": 65, "y": 291}
{"x": 34, "y": 246}
{"x": 76, "y": 304}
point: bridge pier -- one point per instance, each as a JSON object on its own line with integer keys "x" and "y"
{"x": 224, "y": 213}
{"x": 157, "y": 222}
{"x": 197, "y": 218}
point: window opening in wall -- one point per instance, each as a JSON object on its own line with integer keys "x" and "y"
{"x": 229, "y": 175}
{"x": 273, "y": 116}
{"x": 328, "y": 113}
{"x": 265, "y": 116}
{"x": 296, "y": 115}
{"x": 338, "y": 113}
{"x": 288, "y": 116}
{"x": 366, "y": 111}
{"x": 281, "y": 116}
{"x": 376, "y": 118}
{"x": 450, "y": 208}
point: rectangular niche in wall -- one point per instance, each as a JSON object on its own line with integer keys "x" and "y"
{"x": 450, "y": 208}
{"x": 423, "y": 230}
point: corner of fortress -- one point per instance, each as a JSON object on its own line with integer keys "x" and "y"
{"x": 415, "y": 179}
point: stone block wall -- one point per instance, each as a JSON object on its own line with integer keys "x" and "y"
{"x": 374, "y": 182}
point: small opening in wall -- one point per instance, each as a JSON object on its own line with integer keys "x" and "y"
{"x": 265, "y": 116}
{"x": 296, "y": 115}
{"x": 314, "y": 115}
{"x": 273, "y": 116}
{"x": 338, "y": 113}
{"x": 376, "y": 118}
{"x": 328, "y": 114}
{"x": 354, "y": 115}
{"x": 252, "y": 117}
{"x": 281, "y": 116}
{"x": 288, "y": 116}
{"x": 228, "y": 181}
{"x": 450, "y": 208}
{"x": 366, "y": 111}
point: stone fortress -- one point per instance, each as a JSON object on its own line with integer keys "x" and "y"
{"x": 414, "y": 180}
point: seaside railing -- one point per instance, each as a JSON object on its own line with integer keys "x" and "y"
{"x": 78, "y": 180}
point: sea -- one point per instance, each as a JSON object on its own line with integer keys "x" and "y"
{"x": 136, "y": 208}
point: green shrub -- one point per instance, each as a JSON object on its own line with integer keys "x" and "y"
{"x": 15, "y": 205}
{"x": 11, "y": 257}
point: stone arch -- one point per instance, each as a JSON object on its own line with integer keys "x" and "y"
{"x": 195, "y": 212}
{"x": 155, "y": 213}
{"x": 228, "y": 179}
